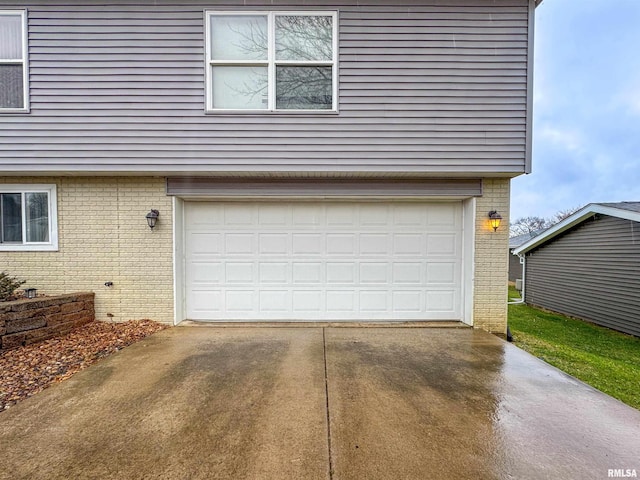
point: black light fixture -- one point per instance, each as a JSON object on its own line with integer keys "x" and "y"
{"x": 30, "y": 292}
{"x": 494, "y": 219}
{"x": 152, "y": 218}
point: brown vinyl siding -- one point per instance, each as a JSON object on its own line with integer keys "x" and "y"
{"x": 591, "y": 272}
{"x": 425, "y": 87}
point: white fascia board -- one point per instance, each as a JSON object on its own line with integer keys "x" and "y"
{"x": 573, "y": 220}
{"x": 528, "y": 156}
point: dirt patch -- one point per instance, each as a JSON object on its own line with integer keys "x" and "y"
{"x": 28, "y": 370}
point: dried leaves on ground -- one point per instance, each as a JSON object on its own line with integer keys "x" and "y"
{"x": 30, "y": 369}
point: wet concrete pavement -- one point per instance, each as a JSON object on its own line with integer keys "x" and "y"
{"x": 319, "y": 403}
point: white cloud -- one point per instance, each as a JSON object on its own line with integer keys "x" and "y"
{"x": 570, "y": 140}
{"x": 586, "y": 146}
{"x": 628, "y": 101}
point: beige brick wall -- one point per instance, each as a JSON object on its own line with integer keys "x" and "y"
{"x": 104, "y": 237}
{"x": 491, "y": 265}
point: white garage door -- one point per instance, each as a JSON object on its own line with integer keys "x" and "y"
{"x": 323, "y": 261}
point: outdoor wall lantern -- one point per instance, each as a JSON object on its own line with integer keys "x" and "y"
{"x": 152, "y": 218}
{"x": 494, "y": 219}
{"x": 30, "y": 292}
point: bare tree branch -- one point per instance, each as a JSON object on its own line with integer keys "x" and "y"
{"x": 531, "y": 225}
{"x": 298, "y": 38}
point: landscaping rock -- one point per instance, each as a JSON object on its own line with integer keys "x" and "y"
{"x": 25, "y": 324}
{"x": 26, "y": 321}
{"x": 27, "y": 370}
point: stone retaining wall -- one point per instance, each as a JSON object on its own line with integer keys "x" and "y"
{"x": 31, "y": 320}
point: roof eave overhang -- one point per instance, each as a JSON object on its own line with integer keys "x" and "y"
{"x": 573, "y": 220}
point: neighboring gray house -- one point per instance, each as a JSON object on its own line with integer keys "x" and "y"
{"x": 588, "y": 266}
{"x": 329, "y": 160}
{"x": 515, "y": 265}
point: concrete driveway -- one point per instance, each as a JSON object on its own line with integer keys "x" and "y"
{"x": 319, "y": 403}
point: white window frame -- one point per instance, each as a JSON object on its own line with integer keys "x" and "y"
{"x": 24, "y": 61}
{"x": 271, "y": 61}
{"x": 50, "y": 190}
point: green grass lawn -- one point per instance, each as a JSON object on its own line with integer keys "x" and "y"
{"x": 513, "y": 293}
{"x": 603, "y": 358}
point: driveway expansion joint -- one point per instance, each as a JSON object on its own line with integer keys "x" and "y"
{"x": 326, "y": 392}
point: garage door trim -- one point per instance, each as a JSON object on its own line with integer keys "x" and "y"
{"x": 466, "y": 303}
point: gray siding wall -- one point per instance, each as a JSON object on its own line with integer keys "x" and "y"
{"x": 591, "y": 272}
{"x": 515, "y": 267}
{"x": 431, "y": 86}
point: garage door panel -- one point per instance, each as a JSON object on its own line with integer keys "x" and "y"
{"x": 305, "y": 215}
{"x": 408, "y": 301}
{"x": 374, "y": 301}
{"x": 376, "y": 273}
{"x": 440, "y": 301}
{"x": 201, "y": 215}
{"x": 443, "y": 273}
{"x": 308, "y": 244}
{"x": 341, "y": 273}
{"x": 407, "y": 273}
{"x": 273, "y": 272}
{"x": 375, "y": 244}
{"x": 341, "y": 301}
{"x": 239, "y": 214}
{"x": 374, "y": 215}
{"x": 204, "y": 243}
{"x": 443, "y": 215}
{"x": 413, "y": 216}
{"x": 411, "y": 244}
{"x": 273, "y": 243}
{"x": 275, "y": 301}
{"x": 442, "y": 244}
{"x": 307, "y": 272}
{"x": 308, "y": 301}
{"x": 206, "y": 303}
{"x": 207, "y": 273}
{"x": 341, "y": 244}
{"x": 239, "y": 272}
{"x": 338, "y": 215}
{"x": 237, "y": 301}
{"x": 323, "y": 261}
{"x": 273, "y": 216}
{"x": 238, "y": 244}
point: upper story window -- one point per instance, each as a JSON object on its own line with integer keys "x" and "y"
{"x": 13, "y": 61}
{"x": 28, "y": 217}
{"x": 271, "y": 61}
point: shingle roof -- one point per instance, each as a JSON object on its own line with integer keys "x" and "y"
{"x": 626, "y": 210}
{"x": 520, "y": 239}
{"x": 631, "y": 206}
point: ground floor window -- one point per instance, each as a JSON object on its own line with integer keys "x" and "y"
{"x": 28, "y": 217}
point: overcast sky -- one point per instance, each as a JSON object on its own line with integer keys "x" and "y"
{"x": 586, "y": 129}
